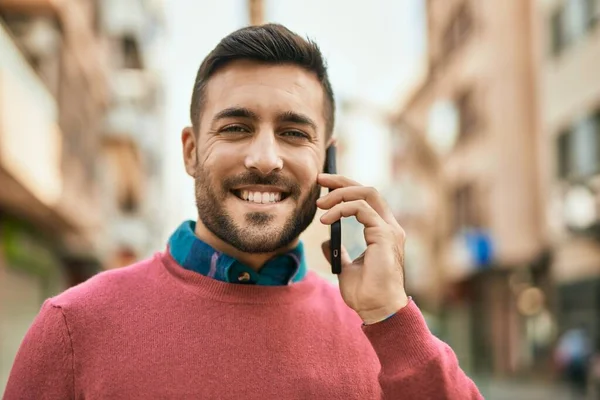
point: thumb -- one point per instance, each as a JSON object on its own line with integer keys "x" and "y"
{"x": 326, "y": 247}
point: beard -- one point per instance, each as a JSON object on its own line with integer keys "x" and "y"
{"x": 257, "y": 236}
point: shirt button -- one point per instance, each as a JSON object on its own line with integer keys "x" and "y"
{"x": 244, "y": 277}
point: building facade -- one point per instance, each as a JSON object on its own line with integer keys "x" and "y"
{"x": 466, "y": 152}
{"x": 132, "y": 131}
{"x": 48, "y": 198}
{"x": 71, "y": 169}
{"x": 567, "y": 37}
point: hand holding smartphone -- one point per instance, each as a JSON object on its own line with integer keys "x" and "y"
{"x": 336, "y": 227}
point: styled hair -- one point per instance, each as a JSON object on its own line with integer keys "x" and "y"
{"x": 269, "y": 44}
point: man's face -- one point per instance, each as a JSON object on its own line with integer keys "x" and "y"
{"x": 256, "y": 158}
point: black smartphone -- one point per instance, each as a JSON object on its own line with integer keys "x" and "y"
{"x": 336, "y": 227}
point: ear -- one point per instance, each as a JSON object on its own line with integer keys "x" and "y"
{"x": 190, "y": 153}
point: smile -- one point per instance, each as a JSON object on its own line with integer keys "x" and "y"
{"x": 260, "y": 196}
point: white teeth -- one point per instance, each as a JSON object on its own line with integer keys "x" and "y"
{"x": 260, "y": 197}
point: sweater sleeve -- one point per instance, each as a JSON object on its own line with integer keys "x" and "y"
{"x": 414, "y": 363}
{"x": 43, "y": 367}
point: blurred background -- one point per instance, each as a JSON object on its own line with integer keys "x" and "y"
{"x": 479, "y": 120}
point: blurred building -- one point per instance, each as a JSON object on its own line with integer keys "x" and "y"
{"x": 467, "y": 157}
{"x": 80, "y": 123}
{"x": 132, "y": 131}
{"x": 52, "y": 98}
{"x": 567, "y": 55}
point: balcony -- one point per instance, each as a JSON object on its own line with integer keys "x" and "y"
{"x": 123, "y": 17}
{"x": 40, "y": 35}
{"x": 86, "y": 48}
{"x": 132, "y": 115}
{"x": 569, "y": 82}
{"x": 133, "y": 85}
{"x": 29, "y": 6}
{"x": 124, "y": 123}
{"x": 28, "y": 115}
{"x": 31, "y": 152}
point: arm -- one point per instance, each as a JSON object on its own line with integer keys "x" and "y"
{"x": 43, "y": 368}
{"x": 414, "y": 363}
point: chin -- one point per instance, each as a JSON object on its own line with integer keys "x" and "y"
{"x": 250, "y": 215}
{"x": 256, "y": 242}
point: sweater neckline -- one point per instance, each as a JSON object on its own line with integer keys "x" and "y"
{"x": 225, "y": 292}
{"x": 193, "y": 254}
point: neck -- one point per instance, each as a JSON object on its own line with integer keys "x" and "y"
{"x": 252, "y": 260}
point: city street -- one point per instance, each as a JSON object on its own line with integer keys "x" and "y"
{"x": 513, "y": 390}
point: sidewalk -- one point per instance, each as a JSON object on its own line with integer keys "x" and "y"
{"x": 513, "y": 390}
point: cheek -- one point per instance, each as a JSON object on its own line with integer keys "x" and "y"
{"x": 221, "y": 159}
{"x": 305, "y": 170}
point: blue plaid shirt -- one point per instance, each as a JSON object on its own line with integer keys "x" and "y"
{"x": 195, "y": 255}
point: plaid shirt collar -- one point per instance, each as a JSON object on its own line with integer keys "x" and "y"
{"x": 195, "y": 255}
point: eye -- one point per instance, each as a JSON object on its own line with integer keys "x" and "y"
{"x": 295, "y": 134}
{"x": 235, "y": 129}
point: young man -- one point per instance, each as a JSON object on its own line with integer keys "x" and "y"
{"x": 229, "y": 309}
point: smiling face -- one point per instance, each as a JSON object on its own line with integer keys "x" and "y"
{"x": 255, "y": 159}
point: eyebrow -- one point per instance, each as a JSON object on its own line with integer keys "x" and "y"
{"x": 286, "y": 116}
{"x": 296, "y": 118}
{"x": 235, "y": 112}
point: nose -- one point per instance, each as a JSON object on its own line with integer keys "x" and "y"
{"x": 263, "y": 154}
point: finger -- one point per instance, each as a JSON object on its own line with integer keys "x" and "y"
{"x": 369, "y": 194}
{"x": 379, "y": 235}
{"x": 360, "y": 209}
{"x": 335, "y": 181}
{"x": 326, "y": 247}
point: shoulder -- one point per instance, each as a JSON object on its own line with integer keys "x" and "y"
{"x": 324, "y": 287}
{"x": 109, "y": 287}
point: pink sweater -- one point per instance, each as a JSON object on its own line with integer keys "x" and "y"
{"x": 157, "y": 331}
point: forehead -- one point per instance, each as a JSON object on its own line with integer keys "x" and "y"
{"x": 265, "y": 89}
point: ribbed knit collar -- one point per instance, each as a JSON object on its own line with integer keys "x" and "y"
{"x": 206, "y": 287}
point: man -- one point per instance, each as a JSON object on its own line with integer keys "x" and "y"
{"x": 574, "y": 353}
{"x": 229, "y": 310}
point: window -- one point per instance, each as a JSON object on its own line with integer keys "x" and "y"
{"x": 466, "y": 210}
{"x": 557, "y": 33}
{"x": 128, "y": 202}
{"x": 131, "y": 53}
{"x": 564, "y": 152}
{"x": 572, "y": 21}
{"x": 594, "y": 10}
{"x": 467, "y": 114}
{"x": 578, "y": 149}
{"x": 585, "y": 142}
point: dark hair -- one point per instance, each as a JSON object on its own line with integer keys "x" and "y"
{"x": 271, "y": 44}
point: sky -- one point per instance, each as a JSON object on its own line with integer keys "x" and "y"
{"x": 373, "y": 49}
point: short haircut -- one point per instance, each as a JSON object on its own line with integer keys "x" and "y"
{"x": 269, "y": 44}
